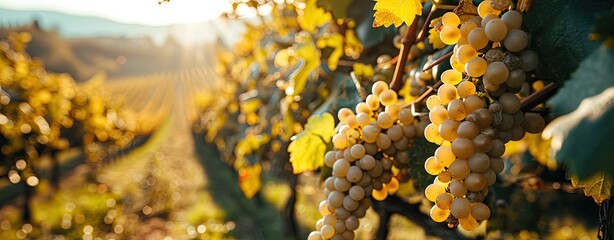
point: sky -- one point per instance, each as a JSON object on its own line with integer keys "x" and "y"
{"x": 147, "y": 12}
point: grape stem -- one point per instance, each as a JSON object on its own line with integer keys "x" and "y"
{"x": 538, "y": 97}
{"x": 407, "y": 41}
{"x": 438, "y": 61}
{"x": 426, "y": 23}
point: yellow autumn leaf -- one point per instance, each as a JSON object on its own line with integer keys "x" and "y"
{"x": 249, "y": 180}
{"x": 397, "y": 12}
{"x": 335, "y": 41}
{"x": 308, "y": 60}
{"x": 307, "y": 149}
{"x": 597, "y": 186}
{"x": 312, "y": 16}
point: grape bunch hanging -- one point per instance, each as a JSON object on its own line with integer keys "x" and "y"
{"x": 369, "y": 143}
{"x": 476, "y": 110}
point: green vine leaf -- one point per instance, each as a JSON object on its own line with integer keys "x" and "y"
{"x": 597, "y": 186}
{"x": 307, "y": 148}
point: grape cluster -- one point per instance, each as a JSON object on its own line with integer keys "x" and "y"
{"x": 368, "y": 145}
{"x": 476, "y": 111}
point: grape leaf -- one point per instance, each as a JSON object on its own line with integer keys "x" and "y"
{"x": 369, "y": 36}
{"x": 338, "y": 7}
{"x": 582, "y": 139}
{"x": 249, "y": 180}
{"x": 561, "y": 37}
{"x": 309, "y": 61}
{"x": 592, "y": 76}
{"x": 598, "y": 186}
{"x": 312, "y": 16}
{"x": 397, "y": 12}
{"x": 335, "y": 41}
{"x": 307, "y": 148}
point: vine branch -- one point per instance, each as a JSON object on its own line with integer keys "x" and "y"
{"x": 538, "y": 97}
{"x": 408, "y": 40}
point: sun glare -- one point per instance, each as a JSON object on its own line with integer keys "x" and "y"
{"x": 147, "y": 12}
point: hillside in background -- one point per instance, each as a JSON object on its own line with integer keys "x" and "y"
{"x": 84, "y": 46}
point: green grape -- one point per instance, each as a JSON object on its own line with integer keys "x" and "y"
{"x": 431, "y": 133}
{"x": 351, "y": 223}
{"x": 349, "y": 204}
{"x": 354, "y": 174}
{"x": 363, "y": 119}
{"x": 465, "y": 53}
{"x": 516, "y": 78}
{"x": 533, "y": 123}
{"x": 340, "y": 168}
{"x": 383, "y": 141}
{"x": 444, "y": 156}
{"x": 367, "y": 162}
{"x": 357, "y": 193}
{"x": 456, "y": 110}
{"x": 480, "y": 211}
{"x": 473, "y": 103}
{"x": 476, "y": 67}
{"x": 373, "y": 100}
{"x": 496, "y": 73}
{"x": 479, "y": 162}
{"x": 499, "y": 5}
{"x": 513, "y": 19}
{"x": 357, "y": 151}
{"x": 465, "y": 89}
{"x": 335, "y": 199}
{"x": 446, "y": 93}
{"x": 496, "y": 30}
{"x": 498, "y": 148}
{"x": 450, "y": 19}
{"x": 433, "y": 101}
{"x": 342, "y": 184}
{"x": 463, "y": 148}
{"x": 340, "y": 141}
{"x": 444, "y": 201}
{"x": 468, "y": 223}
{"x": 388, "y": 97}
{"x": 438, "y": 115}
{"x": 329, "y": 158}
{"x": 405, "y": 116}
{"x": 510, "y": 103}
{"x": 457, "y": 189}
{"x": 395, "y": 133}
{"x": 432, "y": 167}
{"x": 490, "y": 177}
{"x": 450, "y": 35}
{"x": 467, "y": 129}
{"x": 343, "y": 114}
{"x": 475, "y": 182}
{"x": 460, "y": 207}
{"x": 459, "y": 169}
{"x": 448, "y": 129}
{"x": 516, "y": 40}
{"x": 378, "y": 87}
{"x": 466, "y": 28}
{"x": 483, "y": 143}
{"x": 315, "y": 235}
{"x": 477, "y": 38}
{"x": 451, "y": 76}
{"x": 369, "y": 134}
{"x": 433, "y": 190}
{"x": 438, "y": 214}
{"x": 485, "y": 9}
{"x": 327, "y": 231}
